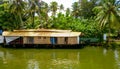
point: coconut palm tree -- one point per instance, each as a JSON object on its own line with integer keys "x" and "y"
{"x": 33, "y": 9}
{"x": 68, "y": 12}
{"x": 108, "y": 15}
{"x": 44, "y": 14}
{"x": 17, "y": 8}
{"x": 61, "y": 7}
{"x": 53, "y": 7}
{"x": 76, "y": 9}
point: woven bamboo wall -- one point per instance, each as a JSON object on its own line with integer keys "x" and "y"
{"x": 46, "y": 40}
{"x": 42, "y": 40}
{"x": 37, "y": 40}
{"x": 24, "y": 40}
{"x": 72, "y": 40}
{"x": 61, "y": 40}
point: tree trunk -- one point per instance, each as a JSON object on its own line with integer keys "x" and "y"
{"x": 108, "y": 41}
{"x": 21, "y": 22}
{"x": 33, "y": 15}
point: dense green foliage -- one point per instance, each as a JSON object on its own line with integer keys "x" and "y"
{"x": 19, "y": 14}
{"x": 108, "y": 16}
{"x": 7, "y": 20}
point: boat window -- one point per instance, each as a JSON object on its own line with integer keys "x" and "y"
{"x": 44, "y": 37}
{"x": 30, "y": 39}
{"x": 0, "y": 32}
{"x": 39, "y": 37}
{"x": 66, "y": 40}
{"x": 53, "y": 40}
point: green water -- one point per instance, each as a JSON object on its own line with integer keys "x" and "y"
{"x": 86, "y": 58}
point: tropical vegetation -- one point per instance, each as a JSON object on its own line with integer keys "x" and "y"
{"x": 93, "y": 17}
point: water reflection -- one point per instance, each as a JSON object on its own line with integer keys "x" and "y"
{"x": 116, "y": 54}
{"x": 33, "y": 64}
{"x": 104, "y": 51}
{"x": 3, "y": 57}
{"x": 64, "y": 62}
{"x": 38, "y": 59}
{"x": 87, "y": 58}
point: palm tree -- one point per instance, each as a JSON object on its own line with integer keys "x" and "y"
{"x": 44, "y": 13}
{"x": 53, "y": 7}
{"x": 108, "y": 15}
{"x": 33, "y": 8}
{"x": 67, "y": 12}
{"x": 17, "y": 8}
{"x": 76, "y": 9}
{"x": 61, "y": 7}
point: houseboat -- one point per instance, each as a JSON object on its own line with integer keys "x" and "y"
{"x": 41, "y": 36}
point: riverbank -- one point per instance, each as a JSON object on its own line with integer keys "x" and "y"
{"x": 112, "y": 46}
{"x": 45, "y": 46}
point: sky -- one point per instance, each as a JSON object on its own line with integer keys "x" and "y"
{"x": 66, "y": 3}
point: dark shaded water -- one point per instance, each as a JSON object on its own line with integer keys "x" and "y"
{"x": 86, "y": 58}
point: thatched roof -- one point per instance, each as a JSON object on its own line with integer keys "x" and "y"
{"x": 42, "y": 33}
{"x": 43, "y": 30}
